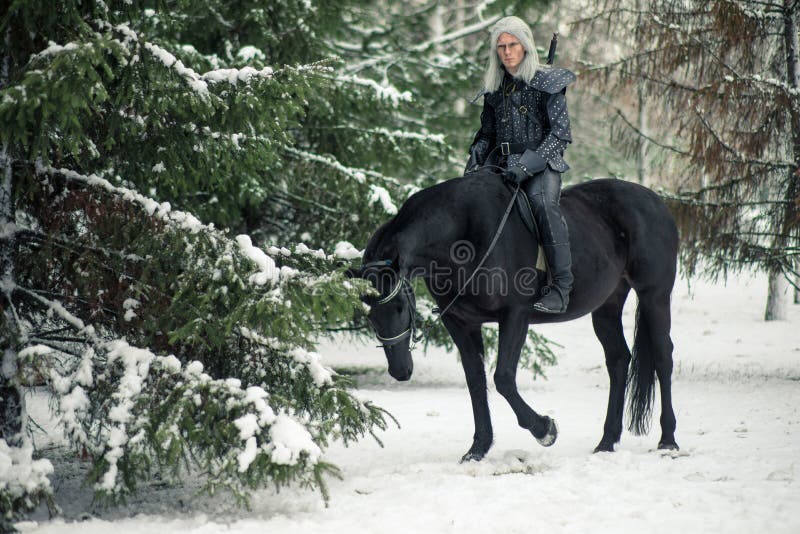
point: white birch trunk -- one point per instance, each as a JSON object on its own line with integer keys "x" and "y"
{"x": 777, "y": 298}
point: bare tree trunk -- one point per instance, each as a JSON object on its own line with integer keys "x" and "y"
{"x": 777, "y": 298}
{"x": 791, "y": 35}
{"x": 778, "y": 285}
{"x": 11, "y": 407}
{"x": 641, "y": 149}
{"x": 459, "y": 46}
{"x": 797, "y": 290}
{"x": 11, "y": 400}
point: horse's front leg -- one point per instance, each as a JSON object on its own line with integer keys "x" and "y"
{"x": 513, "y": 331}
{"x": 469, "y": 341}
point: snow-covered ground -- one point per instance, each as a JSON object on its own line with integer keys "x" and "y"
{"x": 736, "y": 397}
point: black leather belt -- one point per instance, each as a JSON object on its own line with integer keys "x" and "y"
{"x": 515, "y": 148}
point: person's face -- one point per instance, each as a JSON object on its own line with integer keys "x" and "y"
{"x": 510, "y": 51}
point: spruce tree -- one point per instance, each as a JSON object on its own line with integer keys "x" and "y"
{"x": 722, "y": 79}
{"x": 181, "y": 185}
{"x": 169, "y": 344}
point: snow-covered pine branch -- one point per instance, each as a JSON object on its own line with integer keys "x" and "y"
{"x": 136, "y": 385}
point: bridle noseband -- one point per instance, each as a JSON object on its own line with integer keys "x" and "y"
{"x": 402, "y": 288}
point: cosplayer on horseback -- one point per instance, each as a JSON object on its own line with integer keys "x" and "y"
{"x": 524, "y": 132}
{"x": 623, "y": 238}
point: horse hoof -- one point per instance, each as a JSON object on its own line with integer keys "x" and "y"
{"x": 552, "y": 433}
{"x": 602, "y": 447}
{"x": 472, "y": 457}
{"x": 671, "y": 446}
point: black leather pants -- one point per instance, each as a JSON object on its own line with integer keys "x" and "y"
{"x": 544, "y": 192}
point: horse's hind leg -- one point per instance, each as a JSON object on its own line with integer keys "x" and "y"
{"x": 607, "y": 322}
{"x": 513, "y": 330}
{"x": 654, "y": 327}
{"x": 469, "y": 341}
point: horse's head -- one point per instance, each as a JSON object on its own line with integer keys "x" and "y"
{"x": 392, "y": 314}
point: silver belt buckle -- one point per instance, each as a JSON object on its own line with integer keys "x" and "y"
{"x": 505, "y": 149}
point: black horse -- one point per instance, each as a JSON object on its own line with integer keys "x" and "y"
{"x": 622, "y": 237}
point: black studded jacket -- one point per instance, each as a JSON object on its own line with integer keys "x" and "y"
{"x": 534, "y": 114}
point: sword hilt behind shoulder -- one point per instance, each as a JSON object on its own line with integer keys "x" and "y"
{"x": 551, "y": 54}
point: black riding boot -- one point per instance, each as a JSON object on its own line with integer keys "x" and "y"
{"x": 555, "y": 297}
{"x": 544, "y": 192}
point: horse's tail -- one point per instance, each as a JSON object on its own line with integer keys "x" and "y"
{"x": 642, "y": 377}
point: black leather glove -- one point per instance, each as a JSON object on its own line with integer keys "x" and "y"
{"x": 515, "y": 174}
{"x": 477, "y": 155}
{"x": 532, "y": 162}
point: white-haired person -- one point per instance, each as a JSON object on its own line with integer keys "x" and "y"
{"x": 524, "y": 131}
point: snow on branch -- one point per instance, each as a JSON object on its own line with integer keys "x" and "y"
{"x": 195, "y": 80}
{"x": 693, "y": 198}
{"x": 771, "y": 82}
{"x": 323, "y": 376}
{"x": 133, "y": 372}
{"x": 233, "y": 76}
{"x": 379, "y": 195}
{"x": 55, "y": 49}
{"x": 390, "y": 58}
{"x": 456, "y": 35}
{"x": 199, "y": 82}
{"x": 267, "y": 272}
{"x": 171, "y": 62}
{"x": 383, "y": 92}
{"x": 21, "y": 477}
{"x": 360, "y": 175}
{"x": 163, "y": 211}
{"x": 400, "y": 134}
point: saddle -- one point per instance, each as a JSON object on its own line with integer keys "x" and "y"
{"x": 526, "y": 212}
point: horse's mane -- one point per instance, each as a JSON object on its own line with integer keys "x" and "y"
{"x": 375, "y": 240}
{"x": 461, "y": 195}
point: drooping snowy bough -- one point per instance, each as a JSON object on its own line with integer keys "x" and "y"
{"x": 137, "y": 409}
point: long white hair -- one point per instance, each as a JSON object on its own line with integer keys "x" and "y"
{"x": 529, "y": 64}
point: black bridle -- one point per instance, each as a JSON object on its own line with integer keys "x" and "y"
{"x": 402, "y": 289}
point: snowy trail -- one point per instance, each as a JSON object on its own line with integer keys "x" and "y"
{"x": 737, "y": 401}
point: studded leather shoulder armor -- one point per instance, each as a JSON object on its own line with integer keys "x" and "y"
{"x": 552, "y": 80}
